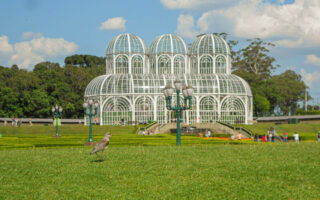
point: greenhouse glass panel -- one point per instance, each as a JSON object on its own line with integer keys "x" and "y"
{"x": 221, "y": 65}
{"x": 137, "y": 65}
{"x": 233, "y": 111}
{"x": 122, "y": 65}
{"x": 206, "y": 65}
{"x": 161, "y": 110}
{"x": 144, "y": 109}
{"x": 164, "y": 65}
{"x": 193, "y": 111}
{"x": 208, "y": 109}
{"x": 179, "y": 65}
{"x": 194, "y": 66}
{"x": 115, "y": 110}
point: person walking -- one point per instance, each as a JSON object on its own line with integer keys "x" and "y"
{"x": 256, "y": 137}
{"x": 239, "y": 136}
{"x": 285, "y": 137}
{"x": 208, "y": 133}
{"x": 318, "y": 136}
{"x": 232, "y": 137}
{"x": 296, "y": 137}
{"x": 272, "y": 138}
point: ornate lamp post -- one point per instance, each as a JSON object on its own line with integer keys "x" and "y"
{"x": 57, "y": 113}
{"x": 187, "y": 93}
{"x": 92, "y": 107}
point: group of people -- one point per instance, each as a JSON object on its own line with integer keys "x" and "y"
{"x": 148, "y": 133}
{"x": 16, "y": 122}
{"x": 239, "y": 136}
{"x": 271, "y": 137}
{"x": 266, "y": 138}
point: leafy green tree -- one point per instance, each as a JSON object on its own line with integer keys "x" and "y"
{"x": 255, "y": 59}
{"x": 261, "y": 105}
{"x": 35, "y": 103}
{"x": 292, "y": 90}
{"x": 9, "y": 103}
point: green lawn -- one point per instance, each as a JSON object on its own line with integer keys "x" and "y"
{"x": 77, "y": 135}
{"x": 34, "y": 165}
{"x": 271, "y": 171}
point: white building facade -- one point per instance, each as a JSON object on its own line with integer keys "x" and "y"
{"x": 131, "y": 90}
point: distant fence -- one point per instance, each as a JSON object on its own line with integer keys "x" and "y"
{"x": 41, "y": 120}
{"x": 287, "y": 118}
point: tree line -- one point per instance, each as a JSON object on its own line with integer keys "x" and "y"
{"x": 33, "y": 93}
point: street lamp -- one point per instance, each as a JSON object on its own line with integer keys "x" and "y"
{"x": 187, "y": 93}
{"x": 57, "y": 113}
{"x": 92, "y": 107}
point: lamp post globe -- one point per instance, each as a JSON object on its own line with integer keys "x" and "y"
{"x": 177, "y": 84}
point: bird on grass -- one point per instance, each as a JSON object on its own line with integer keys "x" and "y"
{"x": 102, "y": 145}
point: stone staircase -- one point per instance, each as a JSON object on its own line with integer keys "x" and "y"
{"x": 213, "y": 127}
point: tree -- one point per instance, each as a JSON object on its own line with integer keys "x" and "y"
{"x": 255, "y": 59}
{"x": 35, "y": 103}
{"x": 9, "y": 103}
{"x": 292, "y": 90}
{"x": 261, "y": 105}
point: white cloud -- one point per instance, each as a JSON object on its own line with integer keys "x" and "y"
{"x": 312, "y": 60}
{"x": 197, "y": 4}
{"x": 5, "y": 47}
{"x": 27, "y": 53}
{"x": 31, "y": 35}
{"x": 311, "y": 79}
{"x": 186, "y": 26}
{"x": 116, "y": 23}
{"x": 288, "y": 25}
{"x": 297, "y": 22}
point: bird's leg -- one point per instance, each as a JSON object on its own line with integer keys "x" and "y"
{"x": 102, "y": 155}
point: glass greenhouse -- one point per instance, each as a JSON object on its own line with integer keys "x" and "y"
{"x": 132, "y": 89}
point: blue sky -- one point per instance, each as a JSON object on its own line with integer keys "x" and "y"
{"x": 32, "y": 31}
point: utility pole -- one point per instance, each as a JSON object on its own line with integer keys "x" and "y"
{"x": 313, "y": 104}
{"x": 305, "y": 101}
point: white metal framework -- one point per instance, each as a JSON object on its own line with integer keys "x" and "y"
{"x": 131, "y": 91}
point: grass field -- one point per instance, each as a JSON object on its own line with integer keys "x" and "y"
{"x": 272, "y": 171}
{"x": 34, "y": 165}
{"x": 77, "y": 135}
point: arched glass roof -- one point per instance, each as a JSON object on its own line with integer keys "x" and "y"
{"x": 209, "y": 44}
{"x": 121, "y": 84}
{"x": 126, "y": 44}
{"x": 168, "y": 44}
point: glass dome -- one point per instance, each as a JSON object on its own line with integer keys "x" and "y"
{"x": 168, "y": 44}
{"x": 209, "y": 44}
{"x": 209, "y": 54}
{"x": 126, "y": 44}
